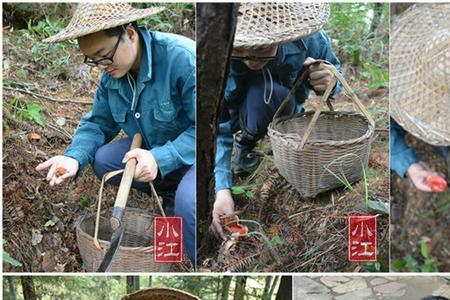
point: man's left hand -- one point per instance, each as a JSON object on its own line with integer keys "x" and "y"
{"x": 146, "y": 168}
{"x": 320, "y": 77}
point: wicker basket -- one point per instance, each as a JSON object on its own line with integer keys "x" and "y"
{"x": 160, "y": 294}
{"x": 310, "y": 149}
{"x": 135, "y": 253}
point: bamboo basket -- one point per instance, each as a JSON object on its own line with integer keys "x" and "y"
{"x": 312, "y": 149}
{"x": 135, "y": 253}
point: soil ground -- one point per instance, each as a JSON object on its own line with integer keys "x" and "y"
{"x": 308, "y": 235}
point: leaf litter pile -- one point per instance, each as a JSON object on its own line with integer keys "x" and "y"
{"x": 39, "y": 220}
{"x": 306, "y": 235}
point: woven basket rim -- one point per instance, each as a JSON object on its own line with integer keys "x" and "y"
{"x": 295, "y": 138}
{"x": 80, "y": 219}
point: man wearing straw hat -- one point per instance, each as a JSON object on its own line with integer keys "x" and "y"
{"x": 420, "y": 88}
{"x": 274, "y": 43}
{"x": 148, "y": 87}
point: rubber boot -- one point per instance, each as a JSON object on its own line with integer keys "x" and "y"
{"x": 245, "y": 161}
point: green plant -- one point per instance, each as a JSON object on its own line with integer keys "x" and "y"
{"x": 32, "y": 113}
{"x": 376, "y": 75}
{"x": 372, "y": 266}
{"x": 85, "y": 200}
{"x": 243, "y": 189}
{"x": 412, "y": 265}
{"x": 8, "y": 259}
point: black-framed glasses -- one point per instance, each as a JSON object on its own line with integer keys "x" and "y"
{"x": 254, "y": 58}
{"x": 103, "y": 61}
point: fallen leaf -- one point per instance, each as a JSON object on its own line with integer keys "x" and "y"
{"x": 61, "y": 121}
{"x": 49, "y": 223}
{"x": 36, "y": 237}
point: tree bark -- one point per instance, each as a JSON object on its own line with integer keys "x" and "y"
{"x": 267, "y": 287}
{"x": 285, "y": 289}
{"x": 28, "y": 288}
{"x": 239, "y": 291}
{"x": 377, "y": 13}
{"x": 225, "y": 291}
{"x": 149, "y": 281}
{"x": 216, "y": 24}
{"x": 132, "y": 284}
{"x": 11, "y": 288}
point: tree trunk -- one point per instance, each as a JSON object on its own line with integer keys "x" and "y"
{"x": 216, "y": 24}
{"x": 377, "y": 13}
{"x": 11, "y": 288}
{"x": 285, "y": 289}
{"x": 132, "y": 284}
{"x": 225, "y": 291}
{"x": 28, "y": 288}
{"x": 267, "y": 286}
{"x": 239, "y": 291}
{"x": 149, "y": 281}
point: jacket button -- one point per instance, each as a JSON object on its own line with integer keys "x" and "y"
{"x": 137, "y": 115}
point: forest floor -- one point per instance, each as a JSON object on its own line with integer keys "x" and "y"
{"x": 39, "y": 220}
{"x": 308, "y": 235}
{"x": 420, "y": 218}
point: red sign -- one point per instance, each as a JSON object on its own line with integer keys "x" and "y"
{"x": 168, "y": 239}
{"x": 362, "y": 238}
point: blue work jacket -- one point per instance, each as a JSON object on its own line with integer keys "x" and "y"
{"x": 285, "y": 70}
{"x": 159, "y": 104}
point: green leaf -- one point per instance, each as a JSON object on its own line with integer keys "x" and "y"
{"x": 85, "y": 201}
{"x": 378, "y": 206}
{"x": 249, "y": 194}
{"x": 399, "y": 265}
{"x": 423, "y": 248}
{"x": 32, "y": 113}
{"x": 7, "y": 258}
{"x": 277, "y": 240}
{"x": 237, "y": 190}
{"x": 411, "y": 263}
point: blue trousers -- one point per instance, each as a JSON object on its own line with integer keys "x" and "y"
{"x": 253, "y": 114}
{"x": 178, "y": 189}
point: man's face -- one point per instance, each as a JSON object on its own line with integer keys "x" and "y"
{"x": 99, "y": 46}
{"x": 254, "y": 64}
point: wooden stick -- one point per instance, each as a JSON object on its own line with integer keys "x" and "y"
{"x": 47, "y": 97}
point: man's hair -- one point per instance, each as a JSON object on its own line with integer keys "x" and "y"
{"x": 116, "y": 31}
{"x": 434, "y": 298}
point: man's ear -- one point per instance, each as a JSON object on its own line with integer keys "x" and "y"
{"x": 131, "y": 33}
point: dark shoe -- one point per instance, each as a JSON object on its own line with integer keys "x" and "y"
{"x": 246, "y": 160}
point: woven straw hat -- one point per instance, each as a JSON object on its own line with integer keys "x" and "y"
{"x": 94, "y": 17}
{"x": 160, "y": 294}
{"x": 420, "y": 72}
{"x": 261, "y": 25}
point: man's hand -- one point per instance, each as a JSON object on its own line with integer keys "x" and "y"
{"x": 319, "y": 77}
{"x": 419, "y": 173}
{"x": 223, "y": 206}
{"x": 59, "y": 163}
{"x": 146, "y": 168}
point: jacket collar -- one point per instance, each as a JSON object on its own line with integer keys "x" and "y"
{"x": 292, "y": 48}
{"x": 145, "y": 70}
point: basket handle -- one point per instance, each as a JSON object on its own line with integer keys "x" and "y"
{"x": 324, "y": 98}
{"x": 348, "y": 89}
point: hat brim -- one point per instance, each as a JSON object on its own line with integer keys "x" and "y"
{"x": 77, "y": 29}
{"x": 160, "y": 294}
{"x": 420, "y": 72}
{"x": 262, "y": 25}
